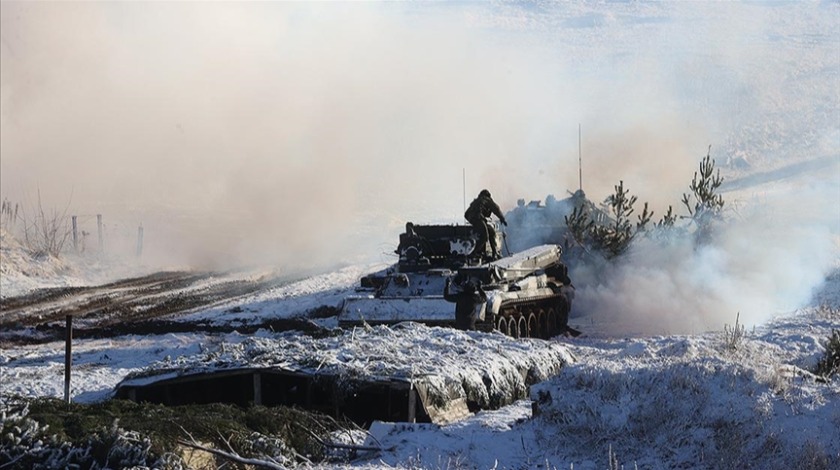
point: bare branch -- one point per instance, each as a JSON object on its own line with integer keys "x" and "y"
{"x": 233, "y": 456}
{"x": 340, "y": 446}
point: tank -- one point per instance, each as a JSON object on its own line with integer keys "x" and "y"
{"x": 536, "y": 223}
{"x": 528, "y": 294}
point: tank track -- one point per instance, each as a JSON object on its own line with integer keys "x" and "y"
{"x": 543, "y": 318}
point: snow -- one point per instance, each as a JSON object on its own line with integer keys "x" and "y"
{"x": 294, "y": 299}
{"x": 671, "y": 401}
{"x": 21, "y": 273}
{"x": 658, "y": 402}
{"x": 490, "y": 369}
{"x": 764, "y": 79}
{"x": 98, "y": 364}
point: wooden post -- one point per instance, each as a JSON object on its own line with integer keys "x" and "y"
{"x": 75, "y": 236}
{"x": 257, "y": 389}
{"x": 68, "y": 356}
{"x": 336, "y": 407}
{"x": 412, "y": 403}
{"x": 99, "y": 227}
{"x": 140, "y": 240}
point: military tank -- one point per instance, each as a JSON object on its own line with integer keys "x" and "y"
{"x": 528, "y": 294}
{"x": 537, "y": 222}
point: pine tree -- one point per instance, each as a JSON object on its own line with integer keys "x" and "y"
{"x": 704, "y": 204}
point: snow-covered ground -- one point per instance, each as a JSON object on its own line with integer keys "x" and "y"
{"x": 759, "y": 81}
{"x": 21, "y": 273}
{"x": 658, "y": 402}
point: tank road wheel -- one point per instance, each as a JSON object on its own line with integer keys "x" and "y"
{"x": 522, "y": 327}
{"x": 542, "y": 319}
{"x": 551, "y": 317}
{"x": 514, "y": 327}
{"x": 502, "y": 325}
{"x": 533, "y": 326}
{"x": 562, "y": 317}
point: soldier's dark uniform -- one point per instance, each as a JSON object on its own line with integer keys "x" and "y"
{"x": 469, "y": 299}
{"x": 480, "y": 209}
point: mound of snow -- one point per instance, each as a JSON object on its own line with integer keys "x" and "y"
{"x": 678, "y": 402}
{"x": 21, "y": 272}
{"x": 493, "y": 369}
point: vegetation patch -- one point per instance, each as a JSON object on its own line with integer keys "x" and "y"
{"x": 829, "y": 364}
{"x": 610, "y": 230}
{"x": 48, "y": 433}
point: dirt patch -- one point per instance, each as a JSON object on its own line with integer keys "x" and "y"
{"x": 143, "y": 305}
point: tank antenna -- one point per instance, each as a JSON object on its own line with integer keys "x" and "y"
{"x": 580, "y": 165}
{"x": 464, "y": 186}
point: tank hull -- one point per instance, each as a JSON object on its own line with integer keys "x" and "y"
{"x": 433, "y": 310}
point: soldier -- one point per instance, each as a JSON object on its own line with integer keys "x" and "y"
{"x": 477, "y": 214}
{"x": 470, "y": 299}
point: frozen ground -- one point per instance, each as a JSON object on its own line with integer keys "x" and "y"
{"x": 761, "y": 80}
{"x": 659, "y": 402}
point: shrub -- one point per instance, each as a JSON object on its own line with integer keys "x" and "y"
{"x": 615, "y": 231}
{"x": 704, "y": 204}
{"x": 8, "y": 213}
{"x": 44, "y": 233}
{"x": 49, "y": 433}
{"x": 829, "y": 364}
{"x": 733, "y": 336}
{"x": 614, "y": 237}
{"x": 611, "y": 229}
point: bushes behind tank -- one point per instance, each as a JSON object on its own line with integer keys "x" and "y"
{"x": 585, "y": 229}
{"x": 829, "y": 364}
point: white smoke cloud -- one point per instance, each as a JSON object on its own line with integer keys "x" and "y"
{"x": 278, "y": 132}
{"x": 244, "y": 132}
{"x": 295, "y": 133}
{"x": 766, "y": 258}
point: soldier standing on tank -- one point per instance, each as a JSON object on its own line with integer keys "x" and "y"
{"x": 470, "y": 299}
{"x": 477, "y": 214}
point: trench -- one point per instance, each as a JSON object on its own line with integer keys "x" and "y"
{"x": 356, "y": 400}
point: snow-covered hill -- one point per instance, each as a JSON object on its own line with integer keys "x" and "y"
{"x": 658, "y": 402}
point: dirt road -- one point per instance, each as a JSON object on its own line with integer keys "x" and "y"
{"x": 140, "y": 305}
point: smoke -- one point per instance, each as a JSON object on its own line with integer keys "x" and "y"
{"x": 306, "y": 133}
{"x": 239, "y": 133}
{"x": 765, "y": 258}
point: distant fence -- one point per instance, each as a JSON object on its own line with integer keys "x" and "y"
{"x": 55, "y": 233}
{"x": 91, "y": 233}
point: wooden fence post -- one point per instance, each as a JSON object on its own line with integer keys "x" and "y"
{"x": 257, "y": 389}
{"x": 412, "y": 403}
{"x": 68, "y": 356}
